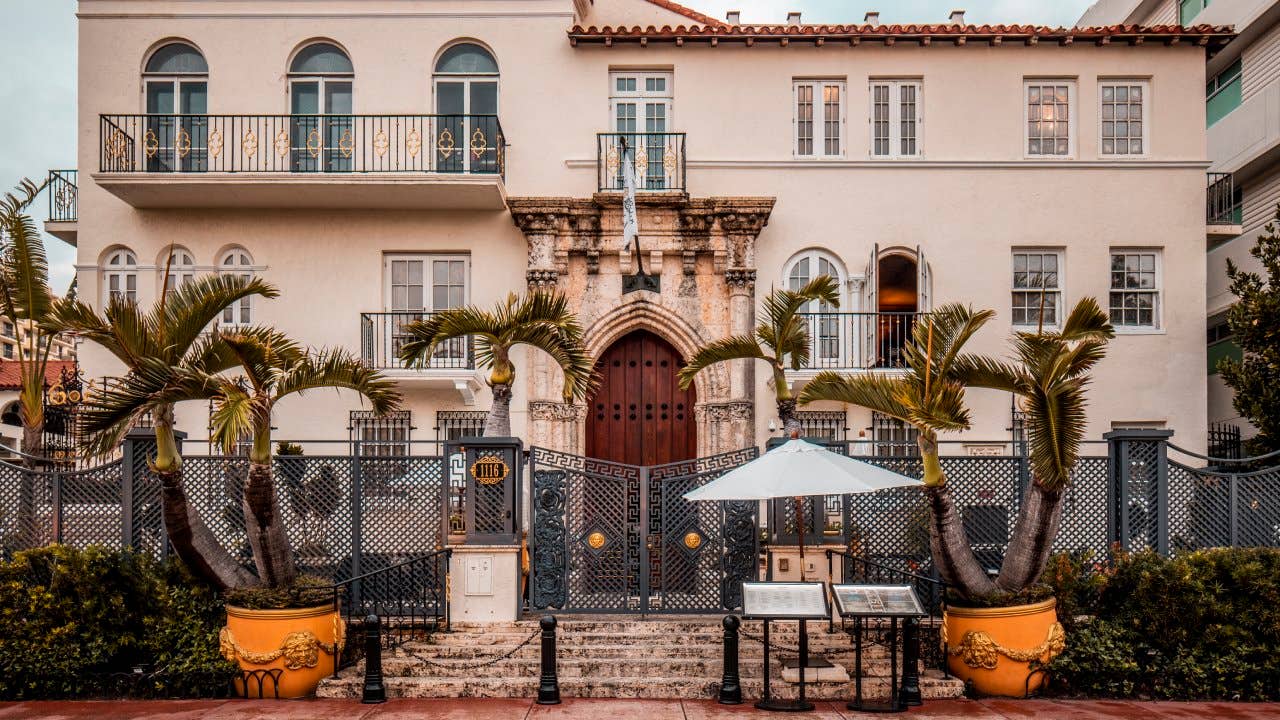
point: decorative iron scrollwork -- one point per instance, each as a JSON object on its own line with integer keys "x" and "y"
{"x": 413, "y": 143}
{"x": 346, "y": 144}
{"x": 445, "y": 143}
{"x": 215, "y": 143}
{"x": 150, "y": 143}
{"x": 479, "y": 143}
{"x": 550, "y": 568}
{"x": 282, "y": 143}
{"x": 249, "y": 144}
{"x": 314, "y": 143}
{"x": 740, "y": 551}
{"x": 183, "y": 146}
{"x": 381, "y": 143}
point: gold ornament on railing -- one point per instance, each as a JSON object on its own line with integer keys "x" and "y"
{"x": 346, "y": 144}
{"x": 314, "y": 143}
{"x": 642, "y": 159}
{"x": 215, "y": 143}
{"x": 282, "y": 143}
{"x": 117, "y": 145}
{"x": 249, "y": 144}
{"x": 611, "y": 160}
{"x": 381, "y": 143}
{"x": 979, "y": 650}
{"x": 479, "y": 143}
{"x": 445, "y": 143}
{"x": 413, "y": 143}
{"x": 670, "y": 162}
{"x": 65, "y": 198}
{"x": 150, "y": 143}
{"x": 184, "y": 142}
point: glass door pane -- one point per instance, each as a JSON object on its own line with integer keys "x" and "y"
{"x": 483, "y": 146}
{"x": 655, "y": 123}
{"x": 340, "y": 127}
{"x": 159, "y": 134}
{"x": 305, "y": 136}
{"x": 406, "y": 301}
{"x": 450, "y": 137}
{"x": 193, "y": 134}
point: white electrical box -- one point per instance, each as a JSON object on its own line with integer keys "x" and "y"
{"x": 479, "y": 575}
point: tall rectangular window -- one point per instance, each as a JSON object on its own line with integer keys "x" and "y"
{"x": 1134, "y": 300}
{"x": 641, "y": 107}
{"x": 819, "y": 118}
{"x": 1124, "y": 117}
{"x": 1049, "y": 117}
{"x": 1223, "y": 93}
{"x": 895, "y": 118}
{"x": 417, "y": 285}
{"x": 1037, "y": 287}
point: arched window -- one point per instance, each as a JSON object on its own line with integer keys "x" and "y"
{"x": 176, "y": 82}
{"x": 320, "y": 99}
{"x": 830, "y": 334}
{"x": 182, "y": 269}
{"x": 237, "y": 262}
{"x": 120, "y": 275}
{"x": 466, "y": 89}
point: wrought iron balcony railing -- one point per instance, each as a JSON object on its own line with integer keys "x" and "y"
{"x": 382, "y": 334}
{"x": 658, "y": 159}
{"x": 1222, "y": 202}
{"x": 450, "y": 144}
{"x": 64, "y": 196}
{"x": 858, "y": 341}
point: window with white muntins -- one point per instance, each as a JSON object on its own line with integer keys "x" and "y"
{"x": 120, "y": 276}
{"x": 895, "y": 118}
{"x": 819, "y": 118}
{"x": 1123, "y": 117}
{"x": 182, "y": 270}
{"x": 1037, "y": 287}
{"x": 418, "y": 285}
{"x": 237, "y": 262}
{"x": 1134, "y": 300}
{"x": 1050, "y": 111}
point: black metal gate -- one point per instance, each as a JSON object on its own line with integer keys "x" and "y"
{"x": 609, "y": 537}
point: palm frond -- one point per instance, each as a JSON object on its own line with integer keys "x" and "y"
{"x": 566, "y": 348}
{"x": 734, "y": 347}
{"x": 780, "y": 305}
{"x": 190, "y": 308}
{"x": 24, "y": 271}
{"x": 261, "y": 352}
{"x": 981, "y": 371}
{"x": 335, "y": 368}
{"x": 235, "y": 416}
{"x": 429, "y": 333}
{"x": 1087, "y": 321}
{"x": 882, "y": 393}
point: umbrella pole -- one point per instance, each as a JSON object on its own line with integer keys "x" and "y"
{"x": 800, "y": 532}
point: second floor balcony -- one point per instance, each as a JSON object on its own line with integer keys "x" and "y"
{"x": 64, "y": 205}
{"x": 383, "y": 334}
{"x": 304, "y": 161}
{"x": 657, "y": 157}
{"x": 850, "y": 341}
{"x": 1223, "y": 207}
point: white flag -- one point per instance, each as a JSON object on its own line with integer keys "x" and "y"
{"x": 630, "y": 224}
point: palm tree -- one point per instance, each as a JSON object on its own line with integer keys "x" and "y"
{"x": 168, "y": 352}
{"x": 781, "y": 340}
{"x": 539, "y": 319}
{"x": 1050, "y": 377}
{"x": 929, "y": 396}
{"x": 25, "y": 300}
{"x": 276, "y": 367}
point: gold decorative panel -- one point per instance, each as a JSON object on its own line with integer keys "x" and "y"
{"x": 282, "y": 143}
{"x": 249, "y": 144}
{"x": 595, "y": 540}
{"x": 692, "y": 540}
{"x": 380, "y": 143}
{"x": 445, "y": 143}
{"x": 215, "y": 143}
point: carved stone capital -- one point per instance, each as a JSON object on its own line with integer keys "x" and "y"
{"x": 721, "y": 412}
{"x": 536, "y": 222}
{"x": 551, "y": 410}
{"x": 541, "y": 279}
{"x": 740, "y": 279}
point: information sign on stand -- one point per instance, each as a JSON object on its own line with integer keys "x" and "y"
{"x": 895, "y": 603}
{"x": 802, "y": 601}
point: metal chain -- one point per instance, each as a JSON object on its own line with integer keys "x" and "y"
{"x": 756, "y": 638}
{"x": 485, "y": 663}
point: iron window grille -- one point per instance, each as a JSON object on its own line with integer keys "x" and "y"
{"x": 454, "y": 424}
{"x": 828, "y": 425}
{"x": 891, "y": 437}
{"x": 382, "y": 445}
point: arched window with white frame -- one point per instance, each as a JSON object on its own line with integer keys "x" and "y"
{"x": 176, "y": 82}
{"x": 181, "y": 269}
{"x": 120, "y": 275}
{"x": 321, "y": 80}
{"x": 466, "y": 91}
{"x": 237, "y": 262}
{"x": 829, "y": 332}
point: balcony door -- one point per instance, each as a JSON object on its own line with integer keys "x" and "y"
{"x": 176, "y": 86}
{"x": 467, "y": 137}
{"x": 416, "y": 287}
{"x": 897, "y": 288}
{"x": 641, "y": 104}
{"x": 322, "y": 130}
{"x": 830, "y": 343}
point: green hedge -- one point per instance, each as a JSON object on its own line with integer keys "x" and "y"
{"x": 1201, "y": 625}
{"x": 71, "y": 618}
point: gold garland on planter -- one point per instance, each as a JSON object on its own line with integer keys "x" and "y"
{"x": 979, "y": 650}
{"x": 299, "y": 649}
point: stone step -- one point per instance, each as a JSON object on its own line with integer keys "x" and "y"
{"x": 578, "y": 639}
{"x": 604, "y": 652}
{"x": 621, "y": 667}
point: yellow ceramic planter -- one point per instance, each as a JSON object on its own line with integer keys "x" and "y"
{"x": 301, "y": 642}
{"x": 994, "y": 647}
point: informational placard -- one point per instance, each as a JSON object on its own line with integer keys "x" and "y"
{"x": 877, "y": 601}
{"x": 785, "y": 600}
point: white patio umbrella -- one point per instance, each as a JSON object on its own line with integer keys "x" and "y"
{"x": 798, "y": 469}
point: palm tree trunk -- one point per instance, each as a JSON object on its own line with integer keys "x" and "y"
{"x": 948, "y": 542}
{"x": 498, "y": 422}
{"x": 265, "y": 527}
{"x": 1033, "y": 536}
{"x": 32, "y": 441}
{"x": 192, "y": 540}
{"x": 787, "y": 414}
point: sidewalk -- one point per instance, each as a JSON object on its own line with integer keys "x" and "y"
{"x": 575, "y": 709}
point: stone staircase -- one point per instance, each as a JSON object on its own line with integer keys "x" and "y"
{"x": 622, "y": 657}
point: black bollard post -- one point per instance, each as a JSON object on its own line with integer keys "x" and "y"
{"x": 910, "y": 691}
{"x": 549, "y": 683}
{"x": 374, "y": 691}
{"x": 730, "y": 683}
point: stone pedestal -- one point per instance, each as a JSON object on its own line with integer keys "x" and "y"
{"x": 484, "y": 583}
{"x": 815, "y": 563}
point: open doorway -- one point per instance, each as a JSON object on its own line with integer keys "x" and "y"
{"x": 900, "y": 293}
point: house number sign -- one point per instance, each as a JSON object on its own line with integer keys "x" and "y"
{"x": 490, "y": 470}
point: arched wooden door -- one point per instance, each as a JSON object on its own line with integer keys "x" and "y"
{"x": 640, "y": 416}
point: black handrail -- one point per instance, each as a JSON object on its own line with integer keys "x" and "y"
{"x": 410, "y": 597}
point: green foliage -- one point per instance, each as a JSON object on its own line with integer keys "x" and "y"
{"x": 67, "y": 616}
{"x": 1202, "y": 625}
{"x": 998, "y": 599}
{"x": 288, "y": 448}
{"x": 306, "y": 591}
{"x": 1255, "y": 323}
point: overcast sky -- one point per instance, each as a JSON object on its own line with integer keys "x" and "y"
{"x": 38, "y": 66}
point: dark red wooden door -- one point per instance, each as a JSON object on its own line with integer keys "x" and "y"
{"x": 640, "y": 416}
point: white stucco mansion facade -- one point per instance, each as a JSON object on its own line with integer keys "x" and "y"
{"x": 389, "y": 158}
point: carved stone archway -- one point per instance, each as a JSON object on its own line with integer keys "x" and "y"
{"x": 703, "y": 249}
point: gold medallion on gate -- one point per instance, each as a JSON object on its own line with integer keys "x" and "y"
{"x": 490, "y": 470}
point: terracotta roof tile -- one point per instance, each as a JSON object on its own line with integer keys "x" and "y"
{"x": 690, "y": 13}
{"x": 1210, "y": 35}
{"x": 11, "y": 373}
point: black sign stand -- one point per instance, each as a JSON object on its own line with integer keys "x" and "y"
{"x": 896, "y": 701}
{"x": 800, "y": 703}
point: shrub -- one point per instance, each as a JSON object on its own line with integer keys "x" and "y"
{"x": 306, "y": 591}
{"x": 1202, "y": 625}
{"x": 70, "y": 617}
